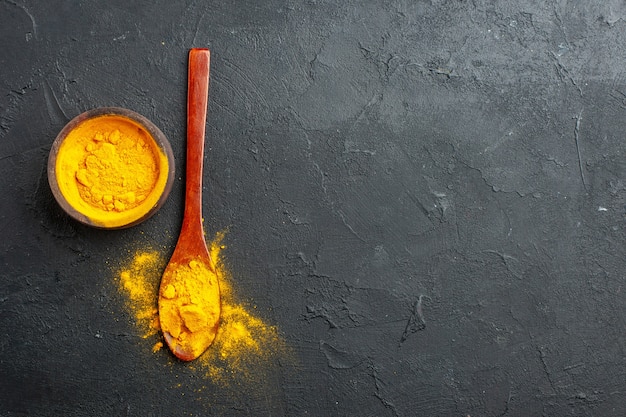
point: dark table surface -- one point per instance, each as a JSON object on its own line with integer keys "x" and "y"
{"x": 427, "y": 199}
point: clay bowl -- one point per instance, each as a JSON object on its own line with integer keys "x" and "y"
{"x": 76, "y": 181}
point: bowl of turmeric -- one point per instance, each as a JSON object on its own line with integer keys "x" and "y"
{"x": 110, "y": 168}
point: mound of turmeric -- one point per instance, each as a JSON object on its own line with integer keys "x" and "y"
{"x": 110, "y": 169}
{"x": 189, "y": 308}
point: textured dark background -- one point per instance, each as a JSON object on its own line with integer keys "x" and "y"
{"x": 427, "y": 198}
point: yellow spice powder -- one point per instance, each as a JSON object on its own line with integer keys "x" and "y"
{"x": 117, "y": 171}
{"x": 189, "y": 307}
{"x": 243, "y": 347}
{"x": 110, "y": 169}
{"x": 137, "y": 282}
{"x": 244, "y": 343}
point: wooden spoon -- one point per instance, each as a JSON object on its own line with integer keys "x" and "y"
{"x": 189, "y": 295}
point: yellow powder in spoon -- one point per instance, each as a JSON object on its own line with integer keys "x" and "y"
{"x": 189, "y": 307}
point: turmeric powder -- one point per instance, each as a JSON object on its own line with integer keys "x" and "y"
{"x": 136, "y": 281}
{"x": 244, "y": 343}
{"x": 110, "y": 169}
{"x": 189, "y": 307}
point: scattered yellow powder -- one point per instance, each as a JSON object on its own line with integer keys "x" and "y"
{"x": 244, "y": 344}
{"x": 157, "y": 346}
{"x": 137, "y": 281}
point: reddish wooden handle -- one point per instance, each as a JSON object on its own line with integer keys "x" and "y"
{"x": 197, "y": 101}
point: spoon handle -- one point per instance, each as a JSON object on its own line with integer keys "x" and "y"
{"x": 197, "y": 101}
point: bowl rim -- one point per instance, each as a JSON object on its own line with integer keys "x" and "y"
{"x": 157, "y": 135}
